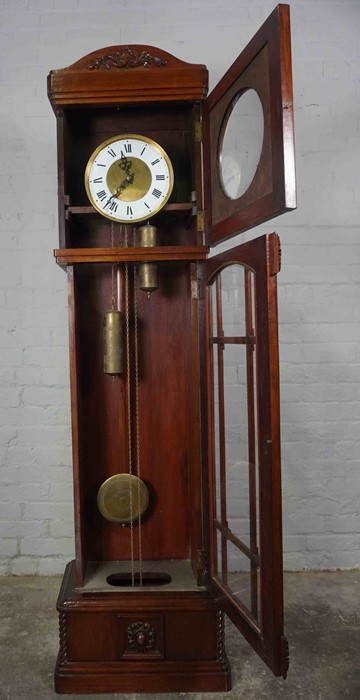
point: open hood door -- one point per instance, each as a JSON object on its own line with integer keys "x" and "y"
{"x": 249, "y": 171}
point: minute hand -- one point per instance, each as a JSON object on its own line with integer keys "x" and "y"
{"x": 128, "y": 180}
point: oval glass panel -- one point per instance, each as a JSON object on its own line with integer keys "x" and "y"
{"x": 241, "y": 142}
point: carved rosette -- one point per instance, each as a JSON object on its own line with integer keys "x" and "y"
{"x": 127, "y": 58}
{"x": 141, "y": 636}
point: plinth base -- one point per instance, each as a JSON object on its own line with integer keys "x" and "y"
{"x": 146, "y": 641}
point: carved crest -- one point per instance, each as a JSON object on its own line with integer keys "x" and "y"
{"x": 127, "y": 58}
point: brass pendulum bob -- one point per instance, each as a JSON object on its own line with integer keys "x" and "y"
{"x": 148, "y": 271}
{"x": 123, "y": 498}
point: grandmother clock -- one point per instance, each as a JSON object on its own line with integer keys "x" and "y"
{"x": 173, "y": 362}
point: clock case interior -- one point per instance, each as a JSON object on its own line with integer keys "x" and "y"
{"x": 165, "y": 339}
{"x": 183, "y": 597}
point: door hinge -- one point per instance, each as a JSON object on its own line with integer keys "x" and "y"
{"x": 198, "y": 131}
{"x": 200, "y": 221}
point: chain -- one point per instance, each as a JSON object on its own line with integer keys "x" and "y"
{"x": 137, "y": 413}
{"x": 127, "y": 316}
{"x": 137, "y": 419}
{"x": 113, "y": 292}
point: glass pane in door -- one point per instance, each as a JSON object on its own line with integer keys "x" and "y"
{"x": 233, "y": 342}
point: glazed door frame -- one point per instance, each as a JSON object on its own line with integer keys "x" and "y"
{"x": 263, "y": 630}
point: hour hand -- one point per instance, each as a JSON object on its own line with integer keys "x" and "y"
{"x": 128, "y": 180}
{"x": 125, "y": 164}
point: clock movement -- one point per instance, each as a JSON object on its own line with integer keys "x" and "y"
{"x": 174, "y": 371}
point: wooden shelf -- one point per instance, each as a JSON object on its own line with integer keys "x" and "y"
{"x": 91, "y": 211}
{"x": 68, "y": 256}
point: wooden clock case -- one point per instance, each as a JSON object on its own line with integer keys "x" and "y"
{"x": 169, "y": 636}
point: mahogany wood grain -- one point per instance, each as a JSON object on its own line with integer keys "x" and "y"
{"x": 193, "y": 414}
{"x": 91, "y": 211}
{"x": 187, "y": 653}
{"x": 250, "y": 384}
{"x": 76, "y": 429}
{"x": 234, "y": 340}
{"x": 117, "y": 255}
{"x": 96, "y": 98}
{"x": 265, "y": 66}
{"x": 266, "y": 636}
{"x": 222, "y": 440}
{"x": 62, "y": 141}
{"x": 207, "y": 373}
{"x": 89, "y": 81}
{"x": 171, "y": 129}
{"x": 163, "y": 394}
{"x": 197, "y": 146}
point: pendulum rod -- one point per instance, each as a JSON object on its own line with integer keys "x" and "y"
{"x": 113, "y": 292}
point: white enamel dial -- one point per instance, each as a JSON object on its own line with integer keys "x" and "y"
{"x": 129, "y": 178}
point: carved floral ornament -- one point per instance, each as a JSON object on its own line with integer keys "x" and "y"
{"x": 127, "y": 58}
{"x": 141, "y": 636}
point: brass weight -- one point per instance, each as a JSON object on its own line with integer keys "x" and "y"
{"x": 148, "y": 277}
{"x": 113, "y": 342}
{"x": 148, "y": 271}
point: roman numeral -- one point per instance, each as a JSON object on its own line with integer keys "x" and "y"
{"x": 98, "y": 179}
{"x": 155, "y": 161}
{"x": 160, "y": 177}
{"x": 147, "y": 206}
{"x": 111, "y": 152}
{"x": 129, "y": 211}
{"x": 101, "y": 165}
{"x": 142, "y": 150}
{"x": 101, "y": 195}
{"x": 127, "y": 148}
{"x": 113, "y": 206}
{"x": 156, "y": 193}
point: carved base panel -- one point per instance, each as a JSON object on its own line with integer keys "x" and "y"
{"x": 139, "y": 642}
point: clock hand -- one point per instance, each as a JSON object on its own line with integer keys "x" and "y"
{"x": 125, "y": 183}
{"x": 125, "y": 164}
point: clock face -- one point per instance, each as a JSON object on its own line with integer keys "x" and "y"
{"x": 129, "y": 178}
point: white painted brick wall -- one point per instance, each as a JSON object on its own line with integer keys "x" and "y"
{"x": 318, "y": 286}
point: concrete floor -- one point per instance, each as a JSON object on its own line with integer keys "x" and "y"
{"x": 322, "y": 623}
